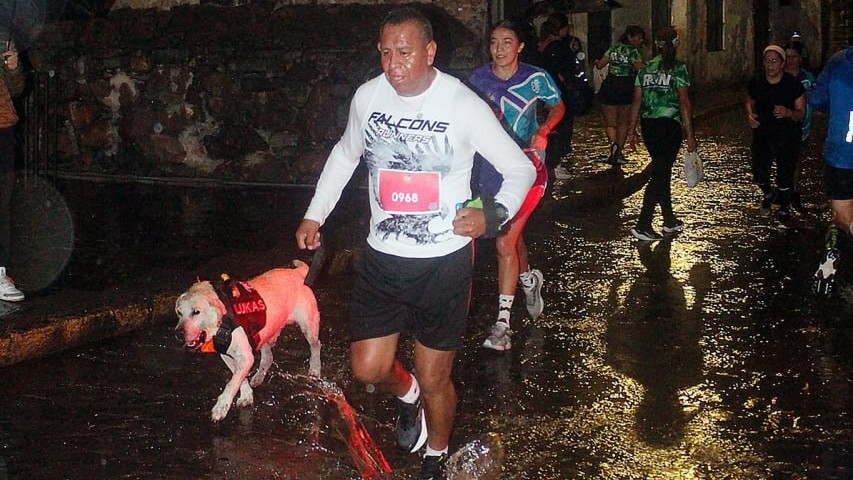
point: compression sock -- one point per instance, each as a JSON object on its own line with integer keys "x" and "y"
{"x": 505, "y": 307}
{"x": 414, "y": 392}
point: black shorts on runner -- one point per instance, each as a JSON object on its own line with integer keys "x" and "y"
{"x": 617, "y": 90}
{"x": 426, "y": 296}
{"x": 839, "y": 182}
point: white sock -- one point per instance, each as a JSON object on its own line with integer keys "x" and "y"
{"x": 435, "y": 453}
{"x": 414, "y": 392}
{"x": 505, "y": 307}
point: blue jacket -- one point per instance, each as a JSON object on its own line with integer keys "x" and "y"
{"x": 833, "y": 91}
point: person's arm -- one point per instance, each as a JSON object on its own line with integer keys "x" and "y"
{"x": 686, "y": 109}
{"x": 751, "y": 116}
{"x": 796, "y": 114}
{"x": 539, "y": 141}
{"x": 603, "y": 61}
{"x": 634, "y": 117}
{"x": 13, "y": 73}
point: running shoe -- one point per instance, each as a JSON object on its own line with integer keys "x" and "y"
{"x": 8, "y": 291}
{"x": 823, "y": 281}
{"x": 561, "y": 172}
{"x": 620, "y": 159}
{"x": 533, "y": 294}
{"x": 434, "y": 468}
{"x": 647, "y": 234}
{"x": 500, "y": 337}
{"x": 783, "y": 215}
{"x": 673, "y": 226}
{"x": 411, "y": 425}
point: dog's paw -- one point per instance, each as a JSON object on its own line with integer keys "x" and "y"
{"x": 245, "y": 400}
{"x": 220, "y": 410}
{"x": 257, "y": 379}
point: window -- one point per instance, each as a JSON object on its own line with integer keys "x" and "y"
{"x": 715, "y": 13}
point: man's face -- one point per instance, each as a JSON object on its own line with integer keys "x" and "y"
{"x": 406, "y": 58}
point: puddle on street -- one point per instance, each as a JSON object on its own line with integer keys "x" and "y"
{"x": 704, "y": 357}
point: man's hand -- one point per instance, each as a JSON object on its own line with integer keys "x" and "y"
{"x": 469, "y": 222}
{"x": 308, "y": 235}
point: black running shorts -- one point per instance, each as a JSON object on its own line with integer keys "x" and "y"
{"x": 426, "y": 296}
{"x": 839, "y": 182}
{"x": 617, "y": 90}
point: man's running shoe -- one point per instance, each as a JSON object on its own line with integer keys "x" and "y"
{"x": 823, "y": 281}
{"x": 647, "y": 234}
{"x": 434, "y": 468}
{"x": 8, "y": 291}
{"x": 533, "y": 294}
{"x": 673, "y": 226}
{"x": 411, "y": 425}
{"x": 500, "y": 337}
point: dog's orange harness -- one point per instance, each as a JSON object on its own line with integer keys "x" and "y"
{"x": 244, "y": 308}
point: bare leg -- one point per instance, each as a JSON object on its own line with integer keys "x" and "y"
{"x": 623, "y": 114}
{"x": 434, "y": 368}
{"x": 375, "y": 361}
{"x": 610, "y": 114}
{"x": 842, "y": 213}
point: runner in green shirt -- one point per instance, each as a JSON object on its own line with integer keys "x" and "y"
{"x": 662, "y": 99}
{"x": 622, "y": 60}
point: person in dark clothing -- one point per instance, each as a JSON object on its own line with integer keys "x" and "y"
{"x": 559, "y": 52}
{"x": 775, "y": 106}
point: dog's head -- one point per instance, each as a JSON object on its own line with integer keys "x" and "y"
{"x": 199, "y": 313}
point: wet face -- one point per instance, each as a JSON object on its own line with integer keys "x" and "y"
{"x": 773, "y": 64}
{"x": 504, "y": 47}
{"x": 406, "y": 58}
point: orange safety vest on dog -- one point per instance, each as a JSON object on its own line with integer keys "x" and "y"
{"x": 244, "y": 308}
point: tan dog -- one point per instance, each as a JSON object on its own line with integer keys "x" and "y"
{"x": 228, "y": 317}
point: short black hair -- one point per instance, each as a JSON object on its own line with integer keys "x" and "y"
{"x": 402, "y": 15}
{"x": 794, "y": 45}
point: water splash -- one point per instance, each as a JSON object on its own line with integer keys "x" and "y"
{"x": 365, "y": 453}
{"x": 480, "y": 459}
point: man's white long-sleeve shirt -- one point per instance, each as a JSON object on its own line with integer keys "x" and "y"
{"x": 419, "y": 152}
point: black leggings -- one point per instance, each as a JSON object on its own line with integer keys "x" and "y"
{"x": 783, "y": 145}
{"x": 662, "y": 137}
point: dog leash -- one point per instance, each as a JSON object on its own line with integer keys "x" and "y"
{"x": 316, "y": 265}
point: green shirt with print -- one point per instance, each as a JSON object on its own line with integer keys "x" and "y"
{"x": 621, "y": 59}
{"x": 660, "y": 89}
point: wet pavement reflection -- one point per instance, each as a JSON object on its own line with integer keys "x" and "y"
{"x": 702, "y": 357}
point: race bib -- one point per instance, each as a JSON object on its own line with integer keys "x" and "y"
{"x": 409, "y": 192}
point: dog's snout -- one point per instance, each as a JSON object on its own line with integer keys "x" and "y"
{"x": 179, "y": 334}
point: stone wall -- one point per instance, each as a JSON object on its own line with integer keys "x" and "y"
{"x": 257, "y": 92}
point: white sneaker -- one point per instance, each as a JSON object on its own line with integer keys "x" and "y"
{"x": 562, "y": 173}
{"x": 8, "y": 292}
{"x": 533, "y": 294}
{"x": 499, "y": 337}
